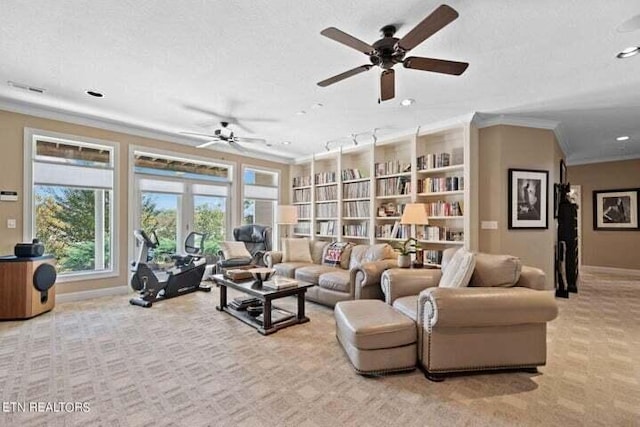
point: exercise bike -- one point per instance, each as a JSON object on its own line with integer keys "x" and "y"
{"x": 183, "y": 278}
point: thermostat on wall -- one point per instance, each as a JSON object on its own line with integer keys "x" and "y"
{"x": 8, "y": 196}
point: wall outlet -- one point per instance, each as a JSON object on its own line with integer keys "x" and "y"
{"x": 11, "y": 223}
{"x": 489, "y": 225}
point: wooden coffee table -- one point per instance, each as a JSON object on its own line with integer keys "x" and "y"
{"x": 266, "y": 296}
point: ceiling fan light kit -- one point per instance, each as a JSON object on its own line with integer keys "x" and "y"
{"x": 225, "y": 135}
{"x": 390, "y": 50}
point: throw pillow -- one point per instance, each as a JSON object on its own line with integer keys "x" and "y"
{"x": 234, "y": 250}
{"x": 336, "y": 254}
{"x": 496, "y": 270}
{"x": 459, "y": 270}
{"x": 296, "y": 250}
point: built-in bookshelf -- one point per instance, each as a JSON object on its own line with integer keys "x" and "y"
{"x": 441, "y": 172}
{"x": 358, "y": 194}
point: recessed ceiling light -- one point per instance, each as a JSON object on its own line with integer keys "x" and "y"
{"x": 629, "y": 52}
{"x": 317, "y": 105}
{"x": 94, "y": 93}
{"x": 407, "y": 102}
{"x": 301, "y": 113}
{"x": 286, "y": 142}
{"x": 622, "y": 138}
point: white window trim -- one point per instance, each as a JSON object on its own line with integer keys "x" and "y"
{"x": 28, "y": 205}
{"x": 134, "y": 193}
{"x": 275, "y": 229}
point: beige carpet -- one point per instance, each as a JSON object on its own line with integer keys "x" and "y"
{"x": 182, "y": 363}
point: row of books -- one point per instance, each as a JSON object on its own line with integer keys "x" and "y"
{"x": 432, "y": 257}
{"x": 355, "y": 190}
{"x": 393, "y": 231}
{"x": 302, "y": 228}
{"x": 442, "y": 208}
{"x": 360, "y": 229}
{"x": 327, "y": 210}
{"x": 348, "y": 174}
{"x": 391, "y": 167}
{"x": 391, "y": 209}
{"x": 355, "y": 209}
{"x": 302, "y": 181}
{"x": 439, "y": 233}
{"x": 327, "y": 193}
{"x": 440, "y": 184}
{"x": 325, "y": 177}
{"x": 302, "y": 195}
{"x": 326, "y": 228}
{"x": 304, "y": 211}
{"x": 393, "y": 186}
{"x": 431, "y": 161}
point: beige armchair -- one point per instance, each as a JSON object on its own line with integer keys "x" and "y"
{"x": 498, "y": 322}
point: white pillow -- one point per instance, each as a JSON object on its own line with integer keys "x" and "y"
{"x": 234, "y": 250}
{"x": 458, "y": 271}
{"x": 296, "y": 250}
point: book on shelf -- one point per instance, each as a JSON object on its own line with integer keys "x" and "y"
{"x": 302, "y": 181}
{"x": 325, "y": 178}
{"x": 391, "y": 167}
{"x": 349, "y": 174}
{"x": 279, "y": 282}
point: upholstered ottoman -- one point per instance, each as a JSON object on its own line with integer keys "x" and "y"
{"x": 376, "y": 338}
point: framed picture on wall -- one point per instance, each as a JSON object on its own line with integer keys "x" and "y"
{"x": 615, "y": 210}
{"x": 528, "y": 199}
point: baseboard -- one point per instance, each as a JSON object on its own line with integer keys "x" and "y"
{"x": 609, "y": 270}
{"x": 95, "y": 293}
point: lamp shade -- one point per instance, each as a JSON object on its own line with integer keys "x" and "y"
{"x": 414, "y": 213}
{"x": 286, "y": 214}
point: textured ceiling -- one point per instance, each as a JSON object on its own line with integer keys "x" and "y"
{"x": 163, "y": 64}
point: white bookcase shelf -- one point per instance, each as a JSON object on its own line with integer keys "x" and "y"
{"x": 437, "y": 167}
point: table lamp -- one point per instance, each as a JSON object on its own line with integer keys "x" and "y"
{"x": 286, "y": 215}
{"x": 415, "y": 214}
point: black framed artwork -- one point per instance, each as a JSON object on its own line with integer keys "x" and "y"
{"x": 528, "y": 199}
{"x": 616, "y": 210}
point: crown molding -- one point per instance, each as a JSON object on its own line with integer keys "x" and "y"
{"x": 50, "y": 113}
{"x": 591, "y": 160}
{"x": 484, "y": 120}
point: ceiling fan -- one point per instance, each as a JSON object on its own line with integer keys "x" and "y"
{"x": 225, "y": 135}
{"x": 389, "y": 51}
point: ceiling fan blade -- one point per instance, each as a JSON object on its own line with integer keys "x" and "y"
{"x": 342, "y": 76}
{"x": 347, "y": 40}
{"x": 206, "y": 144}
{"x": 436, "y": 65}
{"x": 237, "y": 146}
{"x": 387, "y": 85}
{"x": 250, "y": 140}
{"x": 206, "y": 135}
{"x": 430, "y": 25}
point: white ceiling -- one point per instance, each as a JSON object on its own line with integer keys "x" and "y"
{"x": 161, "y": 63}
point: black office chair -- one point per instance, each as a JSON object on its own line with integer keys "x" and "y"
{"x": 257, "y": 239}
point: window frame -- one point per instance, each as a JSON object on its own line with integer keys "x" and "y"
{"x": 274, "y": 227}
{"x": 30, "y": 156}
{"x": 134, "y": 191}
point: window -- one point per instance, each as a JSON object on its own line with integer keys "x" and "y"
{"x": 70, "y": 184}
{"x": 177, "y": 195}
{"x": 260, "y": 196}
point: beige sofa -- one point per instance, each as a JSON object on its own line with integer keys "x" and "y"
{"x": 498, "y": 322}
{"x": 357, "y": 278}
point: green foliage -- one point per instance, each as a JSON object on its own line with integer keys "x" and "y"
{"x": 407, "y": 247}
{"x": 78, "y": 257}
